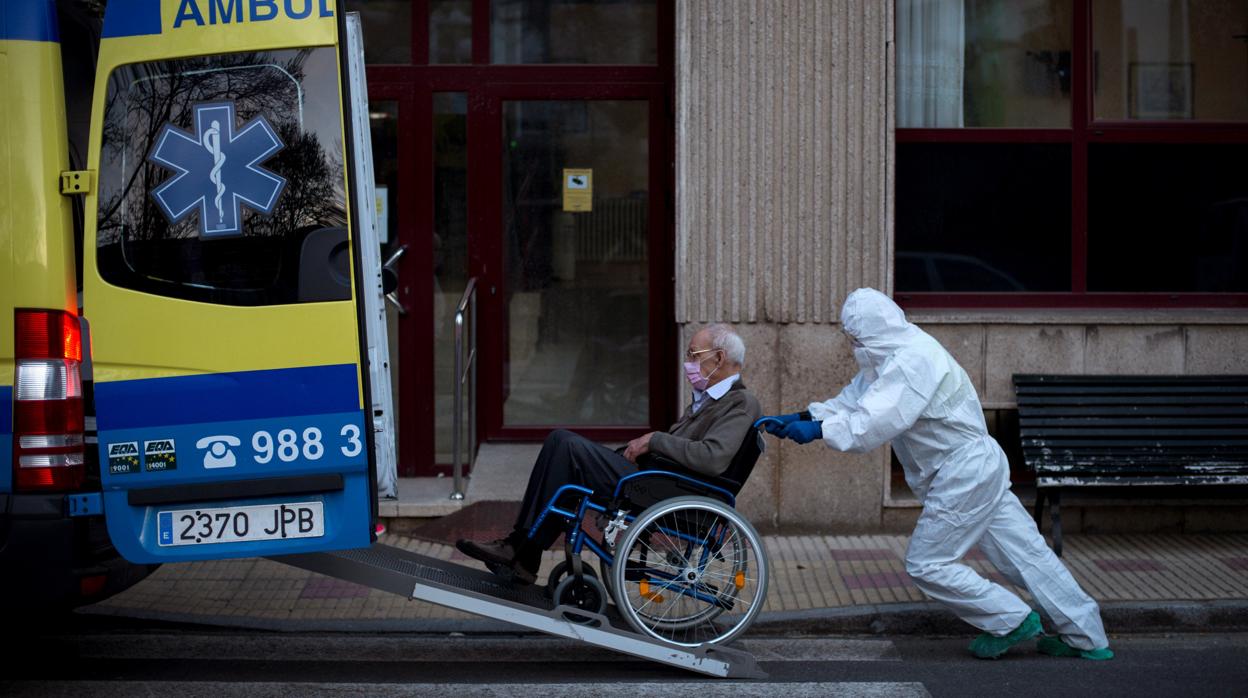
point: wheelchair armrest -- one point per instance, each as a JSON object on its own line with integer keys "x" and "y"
{"x": 653, "y": 461}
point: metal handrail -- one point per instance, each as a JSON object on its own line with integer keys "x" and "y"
{"x": 465, "y": 369}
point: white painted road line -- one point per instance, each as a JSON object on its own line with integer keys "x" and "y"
{"x": 703, "y": 689}
{"x": 373, "y": 648}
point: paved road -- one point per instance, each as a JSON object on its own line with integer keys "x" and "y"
{"x": 186, "y": 662}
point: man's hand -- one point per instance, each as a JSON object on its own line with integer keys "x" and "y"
{"x": 803, "y": 432}
{"x": 638, "y": 447}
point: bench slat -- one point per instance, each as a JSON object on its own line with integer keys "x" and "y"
{"x": 1029, "y": 411}
{"x": 1166, "y": 391}
{"x": 1054, "y": 455}
{"x": 1085, "y": 379}
{"x": 1135, "y": 470}
{"x": 1139, "y": 400}
{"x": 1142, "y": 431}
{"x": 1141, "y": 421}
{"x": 1148, "y": 481}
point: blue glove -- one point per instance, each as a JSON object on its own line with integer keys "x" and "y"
{"x": 802, "y": 432}
{"x": 776, "y": 424}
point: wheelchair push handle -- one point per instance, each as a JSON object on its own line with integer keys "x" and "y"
{"x": 762, "y": 422}
{"x": 777, "y": 424}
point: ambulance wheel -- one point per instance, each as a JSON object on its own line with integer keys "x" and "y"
{"x": 587, "y": 595}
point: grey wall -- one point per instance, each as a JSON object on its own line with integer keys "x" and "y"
{"x": 992, "y": 347}
{"x": 784, "y": 142}
{"x": 784, "y": 201}
{"x": 784, "y": 157}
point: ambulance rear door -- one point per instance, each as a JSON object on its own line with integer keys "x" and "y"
{"x": 222, "y": 283}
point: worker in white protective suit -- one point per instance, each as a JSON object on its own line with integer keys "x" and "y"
{"x": 910, "y": 391}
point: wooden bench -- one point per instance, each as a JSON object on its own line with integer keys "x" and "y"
{"x": 1116, "y": 431}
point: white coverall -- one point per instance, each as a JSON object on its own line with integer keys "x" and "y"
{"x": 911, "y": 392}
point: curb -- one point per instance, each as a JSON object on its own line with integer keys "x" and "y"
{"x": 1120, "y": 617}
{"x": 883, "y": 619}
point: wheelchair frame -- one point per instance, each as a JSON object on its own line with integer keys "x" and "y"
{"x": 577, "y": 538}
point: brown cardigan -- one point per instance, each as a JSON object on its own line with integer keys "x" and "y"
{"x": 707, "y": 440}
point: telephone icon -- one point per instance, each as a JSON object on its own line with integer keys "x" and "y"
{"x": 219, "y": 454}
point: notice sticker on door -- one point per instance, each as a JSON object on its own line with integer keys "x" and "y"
{"x": 578, "y": 190}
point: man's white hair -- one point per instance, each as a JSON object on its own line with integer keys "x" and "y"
{"x": 724, "y": 337}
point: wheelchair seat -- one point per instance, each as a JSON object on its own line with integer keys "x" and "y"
{"x": 641, "y": 491}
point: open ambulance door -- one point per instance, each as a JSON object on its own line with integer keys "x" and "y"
{"x": 223, "y": 283}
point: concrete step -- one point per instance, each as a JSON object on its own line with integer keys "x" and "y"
{"x": 499, "y": 475}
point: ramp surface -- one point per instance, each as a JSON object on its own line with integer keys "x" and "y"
{"x": 455, "y": 586}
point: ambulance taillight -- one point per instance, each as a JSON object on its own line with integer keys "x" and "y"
{"x": 47, "y": 402}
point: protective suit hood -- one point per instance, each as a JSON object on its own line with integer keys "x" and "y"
{"x": 878, "y": 324}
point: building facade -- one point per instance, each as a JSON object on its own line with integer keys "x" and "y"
{"x": 1050, "y": 186}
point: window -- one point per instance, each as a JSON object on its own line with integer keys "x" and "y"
{"x": 386, "y": 26}
{"x": 510, "y": 32}
{"x": 1070, "y": 152}
{"x": 1159, "y": 60}
{"x": 573, "y": 31}
{"x": 222, "y": 179}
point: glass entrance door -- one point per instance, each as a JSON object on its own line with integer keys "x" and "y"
{"x": 572, "y": 247}
{"x": 449, "y": 245}
{"x": 575, "y": 231}
{"x": 486, "y": 108}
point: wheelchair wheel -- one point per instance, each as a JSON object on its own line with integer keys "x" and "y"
{"x": 587, "y": 595}
{"x": 561, "y": 570}
{"x": 604, "y": 576}
{"x": 689, "y": 571}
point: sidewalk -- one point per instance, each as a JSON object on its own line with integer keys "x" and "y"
{"x": 818, "y": 582}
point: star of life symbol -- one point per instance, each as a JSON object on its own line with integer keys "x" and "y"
{"x": 217, "y": 170}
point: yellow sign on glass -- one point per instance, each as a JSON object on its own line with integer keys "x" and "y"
{"x": 578, "y": 189}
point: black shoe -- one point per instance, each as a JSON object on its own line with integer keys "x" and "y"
{"x": 499, "y": 557}
{"x": 512, "y": 573}
{"x": 499, "y": 552}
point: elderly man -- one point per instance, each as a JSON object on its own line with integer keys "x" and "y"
{"x": 704, "y": 440}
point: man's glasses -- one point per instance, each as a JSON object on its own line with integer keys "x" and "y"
{"x": 691, "y": 355}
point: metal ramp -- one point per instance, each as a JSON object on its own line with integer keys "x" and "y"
{"x": 455, "y": 586}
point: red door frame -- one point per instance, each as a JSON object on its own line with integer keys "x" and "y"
{"x": 486, "y": 85}
{"x": 660, "y": 241}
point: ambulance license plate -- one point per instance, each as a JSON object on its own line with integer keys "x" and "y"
{"x": 237, "y": 524}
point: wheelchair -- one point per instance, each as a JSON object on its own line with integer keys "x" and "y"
{"x": 680, "y": 564}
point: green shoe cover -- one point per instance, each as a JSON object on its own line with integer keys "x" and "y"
{"x": 988, "y": 646}
{"x": 1055, "y": 647}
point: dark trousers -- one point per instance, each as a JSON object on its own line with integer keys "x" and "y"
{"x": 566, "y": 459}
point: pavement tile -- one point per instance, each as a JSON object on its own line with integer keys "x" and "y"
{"x": 877, "y": 580}
{"x": 329, "y": 588}
{"x": 1130, "y": 565}
{"x": 808, "y": 572}
{"x": 1239, "y": 564}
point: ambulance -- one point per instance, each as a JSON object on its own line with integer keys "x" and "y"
{"x": 193, "y": 356}
{"x": 189, "y": 288}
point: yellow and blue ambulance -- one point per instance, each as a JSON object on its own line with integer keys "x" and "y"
{"x": 44, "y": 554}
{"x": 219, "y": 268}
